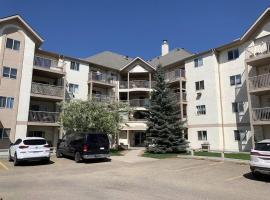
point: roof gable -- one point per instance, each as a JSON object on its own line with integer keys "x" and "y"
{"x": 140, "y": 60}
{"x": 256, "y": 25}
{"x": 20, "y": 20}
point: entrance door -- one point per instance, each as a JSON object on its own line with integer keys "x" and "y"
{"x": 139, "y": 138}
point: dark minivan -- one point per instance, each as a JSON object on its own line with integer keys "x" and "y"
{"x": 83, "y": 146}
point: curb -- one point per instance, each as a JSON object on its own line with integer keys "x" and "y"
{"x": 238, "y": 161}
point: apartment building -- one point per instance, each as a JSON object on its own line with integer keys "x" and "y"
{"x": 223, "y": 93}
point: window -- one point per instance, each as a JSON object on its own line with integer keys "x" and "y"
{"x": 202, "y": 135}
{"x": 36, "y": 134}
{"x": 6, "y": 102}
{"x": 201, "y": 110}
{"x": 4, "y": 133}
{"x": 238, "y": 107}
{"x": 43, "y": 62}
{"x": 198, "y": 62}
{"x": 9, "y": 72}
{"x": 10, "y": 102}
{"x": 75, "y": 66}
{"x": 199, "y": 85}
{"x": 73, "y": 88}
{"x": 233, "y": 54}
{"x": 12, "y": 44}
{"x": 235, "y": 80}
{"x": 240, "y": 135}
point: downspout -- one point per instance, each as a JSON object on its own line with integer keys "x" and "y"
{"x": 221, "y": 104}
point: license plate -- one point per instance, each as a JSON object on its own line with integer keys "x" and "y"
{"x": 101, "y": 148}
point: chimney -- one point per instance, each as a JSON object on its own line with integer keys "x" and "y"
{"x": 164, "y": 48}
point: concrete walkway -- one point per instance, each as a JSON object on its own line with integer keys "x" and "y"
{"x": 133, "y": 155}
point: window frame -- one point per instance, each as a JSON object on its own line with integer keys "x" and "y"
{"x": 2, "y": 131}
{"x": 9, "y": 74}
{"x": 234, "y": 54}
{"x": 198, "y": 62}
{"x": 202, "y": 135}
{"x": 74, "y": 66}
{"x": 200, "y": 85}
{"x": 75, "y": 88}
{"x": 238, "y": 107}
{"x": 234, "y": 78}
{"x": 201, "y": 109}
{"x": 240, "y": 135}
{"x": 7, "y": 102}
{"x": 15, "y": 44}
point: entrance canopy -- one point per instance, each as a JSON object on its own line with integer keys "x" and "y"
{"x": 136, "y": 126}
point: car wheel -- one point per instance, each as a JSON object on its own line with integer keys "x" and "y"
{"x": 255, "y": 174}
{"x": 47, "y": 160}
{"x": 9, "y": 157}
{"x": 58, "y": 154}
{"x": 15, "y": 160}
{"x": 78, "y": 157}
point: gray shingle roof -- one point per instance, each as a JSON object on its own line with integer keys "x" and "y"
{"x": 173, "y": 56}
{"x": 109, "y": 59}
{"x": 116, "y": 61}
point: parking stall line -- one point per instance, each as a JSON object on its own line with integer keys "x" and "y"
{"x": 4, "y": 166}
{"x": 233, "y": 178}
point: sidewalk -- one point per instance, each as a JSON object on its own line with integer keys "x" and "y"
{"x": 133, "y": 155}
{"x": 245, "y": 162}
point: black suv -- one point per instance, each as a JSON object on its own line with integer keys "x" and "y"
{"x": 84, "y": 146}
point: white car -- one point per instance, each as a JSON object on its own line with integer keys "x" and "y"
{"x": 260, "y": 158}
{"x": 29, "y": 149}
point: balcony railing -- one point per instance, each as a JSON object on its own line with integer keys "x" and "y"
{"x": 258, "y": 50}
{"x": 46, "y": 89}
{"x": 48, "y": 63}
{"x": 102, "y": 98}
{"x": 184, "y": 96}
{"x": 136, "y": 84}
{"x": 261, "y": 114}
{"x": 101, "y": 77}
{"x": 43, "y": 116}
{"x": 259, "y": 82}
{"x": 137, "y": 102}
{"x": 175, "y": 75}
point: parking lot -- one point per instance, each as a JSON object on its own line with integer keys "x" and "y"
{"x": 149, "y": 179}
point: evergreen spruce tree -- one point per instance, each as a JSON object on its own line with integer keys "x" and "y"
{"x": 164, "y": 133}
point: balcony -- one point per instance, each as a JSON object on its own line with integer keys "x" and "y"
{"x": 259, "y": 83}
{"x": 261, "y": 116}
{"x": 43, "y": 118}
{"x": 47, "y": 91}
{"x": 136, "y": 85}
{"x": 101, "y": 79}
{"x": 145, "y": 103}
{"x": 102, "y": 98}
{"x": 258, "y": 54}
{"x": 175, "y": 75}
{"x": 184, "y": 97}
{"x": 49, "y": 66}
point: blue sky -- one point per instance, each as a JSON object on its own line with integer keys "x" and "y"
{"x": 135, "y": 27}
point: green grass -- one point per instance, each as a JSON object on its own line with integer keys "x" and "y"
{"x": 115, "y": 152}
{"x": 208, "y": 154}
{"x": 241, "y": 156}
{"x": 162, "y": 155}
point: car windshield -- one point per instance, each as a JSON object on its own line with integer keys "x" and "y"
{"x": 34, "y": 142}
{"x": 262, "y": 147}
{"x": 101, "y": 139}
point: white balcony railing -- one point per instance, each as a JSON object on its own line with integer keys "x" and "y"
{"x": 43, "y": 116}
{"x": 257, "y": 50}
{"x": 259, "y": 82}
{"x": 47, "y": 63}
{"x": 102, "y": 98}
{"x": 102, "y": 77}
{"x": 46, "y": 89}
{"x": 175, "y": 75}
{"x": 184, "y": 96}
{"x": 137, "y": 102}
{"x": 261, "y": 114}
{"x": 136, "y": 84}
